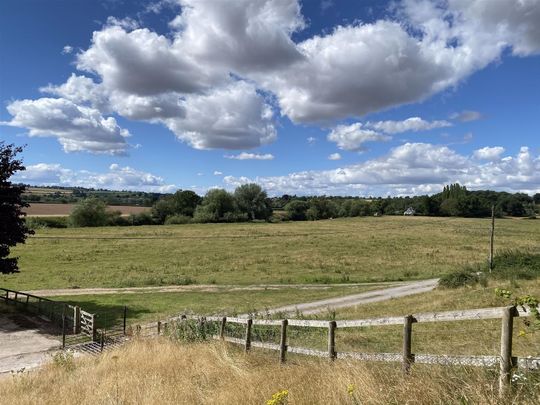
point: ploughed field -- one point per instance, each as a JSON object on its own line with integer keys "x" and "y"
{"x": 43, "y": 209}
{"x": 322, "y": 252}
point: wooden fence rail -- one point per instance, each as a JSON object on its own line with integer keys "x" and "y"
{"x": 71, "y": 319}
{"x": 407, "y": 358}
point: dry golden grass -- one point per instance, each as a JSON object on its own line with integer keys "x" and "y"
{"x": 162, "y": 372}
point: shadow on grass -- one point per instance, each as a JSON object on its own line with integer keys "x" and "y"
{"x": 109, "y": 315}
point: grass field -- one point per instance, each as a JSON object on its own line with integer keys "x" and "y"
{"x": 145, "y": 307}
{"x": 332, "y": 251}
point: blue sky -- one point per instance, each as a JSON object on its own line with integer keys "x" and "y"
{"x": 344, "y": 97}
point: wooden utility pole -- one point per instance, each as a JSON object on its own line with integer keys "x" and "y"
{"x": 491, "y": 238}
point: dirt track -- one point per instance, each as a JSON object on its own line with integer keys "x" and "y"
{"x": 193, "y": 287}
{"x": 410, "y": 288}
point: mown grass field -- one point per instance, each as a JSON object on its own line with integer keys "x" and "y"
{"x": 332, "y": 251}
{"x": 147, "y": 307}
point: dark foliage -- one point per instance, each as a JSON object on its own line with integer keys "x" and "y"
{"x": 13, "y": 229}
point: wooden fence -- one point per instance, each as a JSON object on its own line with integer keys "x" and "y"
{"x": 504, "y": 359}
{"x": 71, "y": 319}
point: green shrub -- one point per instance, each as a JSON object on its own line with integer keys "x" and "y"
{"x": 115, "y": 218}
{"x": 460, "y": 278}
{"x": 89, "y": 212}
{"x": 143, "y": 218}
{"x": 178, "y": 220}
{"x": 46, "y": 222}
{"x": 515, "y": 265}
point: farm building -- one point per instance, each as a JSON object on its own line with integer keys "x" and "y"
{"x": 409, "y": 211}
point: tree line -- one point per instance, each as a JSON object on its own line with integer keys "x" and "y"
{"x": 250, "y": 202}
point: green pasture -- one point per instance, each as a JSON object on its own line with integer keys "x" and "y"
{"x": 325, "y": 252}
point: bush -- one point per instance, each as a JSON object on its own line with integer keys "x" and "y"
{"x": 89, "y": 212}
{"x": 515, "y": 265}
{"x": 460, "y": 278}
{"x": 46, "y": 222}
{"x": 144, "y": 218}
{"x": 115, "y": 218}
{"x": 178, "y": 220}
{"x": 203, "y": 216}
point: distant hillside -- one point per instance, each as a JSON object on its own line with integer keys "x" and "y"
{"x": 67, "y": 195}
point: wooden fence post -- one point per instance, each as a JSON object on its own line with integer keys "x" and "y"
{"x": 332, "y": 340}
{"x": 125, "y": 317}
{"x": 158, "y": 327}
{"x": 506, "y": 349}
{"x": 283, "y": 341}
{"x": 102, "y": 344}
{"x": 222, "y": 328}
{"x": 94, "y": 329}
{"x": 248, "y": 334}
{"x": 76, "y": 320}
{"x": 407, "y": 343}
{"x": 64, "y": 328}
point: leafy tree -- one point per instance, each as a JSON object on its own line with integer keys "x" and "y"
{"x": 183, "y": 203}
{"x": 217, "y": 205}
{"x": 89, "y": 212}
{"x": 252, "y": 200}
{"x": 321, "y": 208}
{"x": 13, "y": 227}
{"x": 296, "y": 210}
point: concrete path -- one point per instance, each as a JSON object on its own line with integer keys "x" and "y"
{"x": 310, "y": 308}
{"x": 24, "y": 343}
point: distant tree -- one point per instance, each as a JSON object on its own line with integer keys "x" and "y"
{"x": 89, "y": 212}
{"x": 296, "y": 210}
{"x": 321, "y": 208}
{"x": 183, "y": 203}
{"x": 252, "y": 200}
{"x": 536, "y": 198}
{"x": 218, "y": 205}
{"x": 13, "y": 229}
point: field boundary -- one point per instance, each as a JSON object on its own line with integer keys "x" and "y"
{"x": 78, "y": 328}
{"x": 504, "y": 359}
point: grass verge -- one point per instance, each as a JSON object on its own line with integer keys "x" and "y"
{"x": 160, "y": 371}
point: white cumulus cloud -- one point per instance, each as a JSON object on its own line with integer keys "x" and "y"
{"x": 412, "y": 168}
{"x": 77, "y": 128}
{"x": 334, "y": 156}
{"x": 413, "y": 124}
{"x": 232, "y": 117}
{"x": 250, "y": 156}
{"x": 489, "y": 153}
{"x": 115, "y": 178}
{"x": 352, "y": 137}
